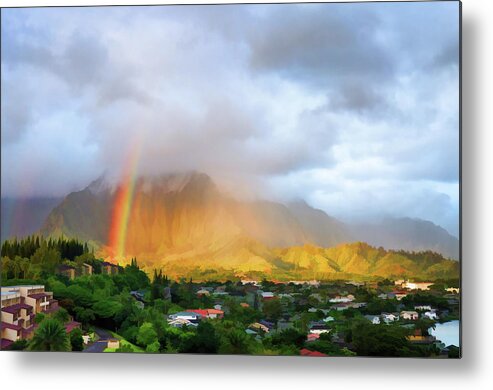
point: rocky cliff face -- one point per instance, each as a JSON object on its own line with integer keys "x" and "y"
{"x": 186, "y": 225}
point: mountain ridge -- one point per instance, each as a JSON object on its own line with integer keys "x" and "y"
{"x": 185, "y": 224}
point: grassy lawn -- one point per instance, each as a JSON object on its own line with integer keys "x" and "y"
{"x": 122, "y": 343}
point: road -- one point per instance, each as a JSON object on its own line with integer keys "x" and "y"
{"x": 101, "y": 344}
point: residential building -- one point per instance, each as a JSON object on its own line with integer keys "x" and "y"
{"x": 342, "y": 299}
{"x": 422, "y": 307}
{"x": 109, "y": 268}
{"x": 390, "y": 317}
{"x": 19, "y": 305}
{"x": 430, "y": 314}
{"x": 186, "y": 315}
{"x": 319, "y": 329}
{"x": 266, "y": 295}
{"x": 409, "y": 315}
{"x": 307, "y": 352}
{"x": 375, "y": 320}
{"x": 203, "y": 292}
{"x": 208, "y": 313}
{"x": 180, "y": 322}
{"x": 87, "y": 269}
{"x": 67, "y": 270}
{"x": 398, "y": 294}
{"x": 417, "y": 285}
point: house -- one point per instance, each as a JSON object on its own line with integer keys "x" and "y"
{"x": 430, "y": 314}
{"x": 328, "y": 319}
{"x": 307, "y": 352}
{"x": 138, "y": 295}
{"x": 186, "y": 315}
{"x": 375, "y": 320}
{"x": 318, "y": 327}
{"x": 409, "y": 315}
{"x": 203, "y": 293}
{"x": 180, "y": 322}
{"x": 113, "y": 343}
{"x": 383, "y": 296}
{"x": 86, "y": 269}
{"x": 342, "y": 299}
{"x": 262, "y": 327}
{"x": 71, "y": 325}
{"x": 267, "y": 295}
{"x": 252, "y": 282}
{"x": 67, "y": 270}
{"x": 422, "y": 307}
{"x": 453, "y": 290}
{"x": 19, "y": 305}
{"x": 419, "y": 339}
{"x": 109, "y": 268}
{"x": 312, "y": 337}
{"x": 398, "y": 294}
{"x": 208, "y": 313}
{"x": 341, "y": 306}
{"x": 244, "y": 304}
{"x": 268, "y": 324}
{"x": 390, "y": 317}
{"x": 417, "y": 285}
{"x": 215, "y": 313}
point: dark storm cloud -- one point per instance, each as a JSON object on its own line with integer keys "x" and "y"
{"x": 345, "y": 105}
{"x": 321, "y": 45}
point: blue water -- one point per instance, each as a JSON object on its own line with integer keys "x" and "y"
{"x": 447, "y": 333}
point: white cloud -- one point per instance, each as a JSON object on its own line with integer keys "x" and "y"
{"x": 352, "y": 107}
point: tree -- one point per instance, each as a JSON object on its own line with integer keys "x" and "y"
{"x": 379, "y": 340}
{"x": 76, "y": 340}
{"x": 61, "y": 315}
{"x": 272, "y": 309}
{"x": 125, "y": 348}
{"x": 236, "y": 341}
{"x": 153, "y": 347}
{"x": 50, "y": 336}
{"x": 107, "y": 309}
{"x": 205, "y": 340}
{"x": 84, "y": 315}
{"x": 147, "y": 335}
{"x": 289, "y": 336}
{"x": 19, "y": 345}
{"x": 80, "y": 295}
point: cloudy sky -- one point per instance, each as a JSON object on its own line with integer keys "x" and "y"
{"x": 353, "y": 107}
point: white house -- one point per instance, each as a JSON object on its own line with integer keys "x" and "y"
{"x": 185, "y": 315}
{"x": 342, "y": 299}
{"x": 431, "y": 314}
{"x": 409, "y": 315}
{"x": 390, "y": 317}
{"x": 180, "y": 322}
{"x": 422, "y": 307}
{"x": 375, "y": 320}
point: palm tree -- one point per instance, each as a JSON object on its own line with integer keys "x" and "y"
{"x": 24, "y": 266}
{"x": 50, "y": 336}
{"x": 6, "y": 266}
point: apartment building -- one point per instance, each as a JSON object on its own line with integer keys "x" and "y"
{"x": 19, "y": 305}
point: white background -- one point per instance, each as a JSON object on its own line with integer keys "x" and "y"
{"x": 473, "y": 371}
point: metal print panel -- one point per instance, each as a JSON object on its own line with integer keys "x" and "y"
{"x": 262, "y": 179}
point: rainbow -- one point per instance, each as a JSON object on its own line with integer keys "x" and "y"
{"x": 122, "y": 206}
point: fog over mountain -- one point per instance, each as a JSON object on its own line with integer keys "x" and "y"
{"x": 351, "y": 107}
